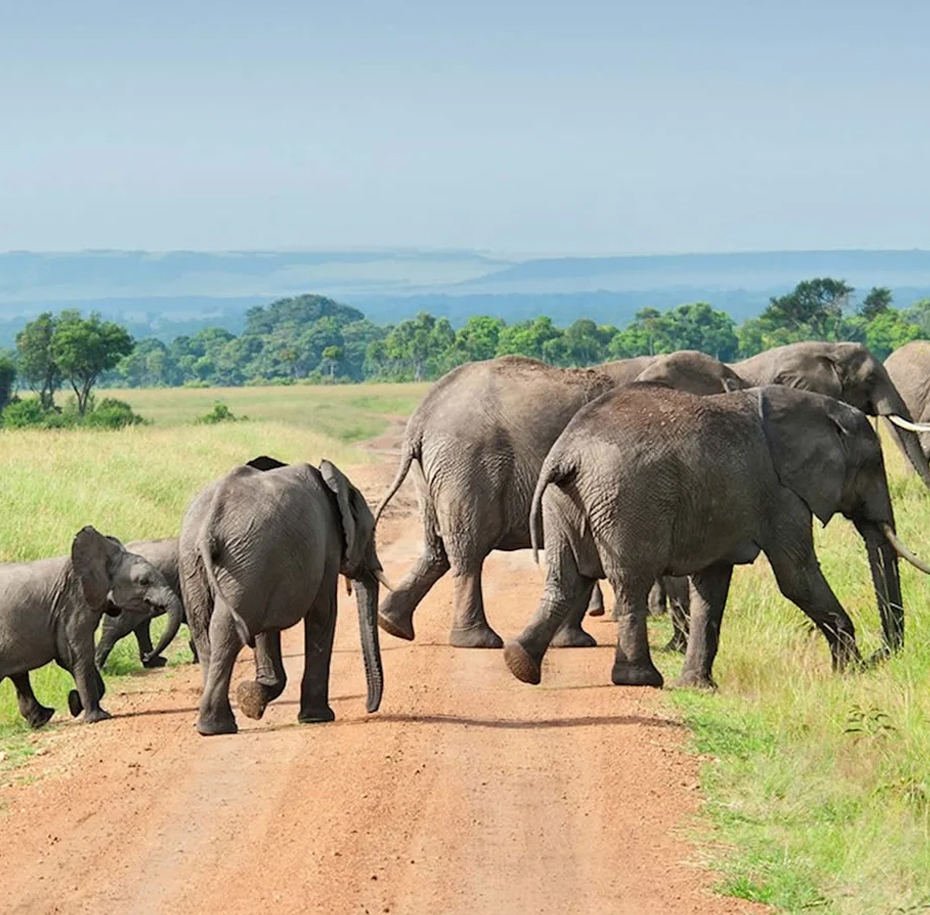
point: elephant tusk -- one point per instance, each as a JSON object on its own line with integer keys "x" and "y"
{"x": 907, "y": 424}
{"x": 379, "y": 574}
{"x": 348, "y": 586}
{"x": 903, "y": 551}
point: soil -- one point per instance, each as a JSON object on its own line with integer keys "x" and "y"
{"x": 468, "y": 793}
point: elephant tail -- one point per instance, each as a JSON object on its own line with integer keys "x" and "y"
{"x": 208, "y": 548}
{"x": 410, "y": 452}
{"x": 552, "y": 472}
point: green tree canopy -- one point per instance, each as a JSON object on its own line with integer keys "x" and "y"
{"x": 37, "y": 365}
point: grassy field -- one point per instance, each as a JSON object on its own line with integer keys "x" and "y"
{"x": 817, "y": 786}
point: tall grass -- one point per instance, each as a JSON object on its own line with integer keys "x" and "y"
{"x": 819, "y": 785}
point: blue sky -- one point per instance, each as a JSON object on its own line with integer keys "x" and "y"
{"x": 516, "y": 127}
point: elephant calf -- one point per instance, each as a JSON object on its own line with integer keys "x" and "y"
{"x": 260, "y": 550}
{"x": 163, "y": 554}
{"x": 647, "y": 481}
{"x": 50, "y": 609}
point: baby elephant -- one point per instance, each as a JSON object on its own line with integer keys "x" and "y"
{"x": 647, "y": 481}
{"x": 262, "y": 549}
{"x": 50, "y": 609}
{"x": 163, "y": 554}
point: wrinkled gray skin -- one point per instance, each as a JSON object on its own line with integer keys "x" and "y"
{"x": 50, "y": 609}
{"x": 846, "y": 371}
{"x": 909, "y": 369}
{"x": 163, "y": 554}
{"x": 260, "y": 550}
{"x": 476, "y": 444}
{"x": 647, "y": 482}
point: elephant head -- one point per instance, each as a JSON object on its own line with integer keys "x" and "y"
{"x": 827, "y": 453}
{"x": 361, "y": 567}
{"x": 113, "y": 579}
{"x": 847, "y": 372}
{"x": 692, "y": 371}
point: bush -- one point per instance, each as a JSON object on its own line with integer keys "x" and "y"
{"x": 21, "y": 414}
{"x": 220, "y": 414}
{"x": 111, "y": 413}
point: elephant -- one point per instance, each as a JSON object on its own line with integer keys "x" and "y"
{"x": 50, "y": 609}
{"x": 476, "y": 443}
{"x": 673, "y": 593}
{"x": 909, "y": 369}
{"x": 163, "y": 554}
{"x": 261, "y": 549}
{"x": 848, "y": 372}
{"x": 646, "y": 481}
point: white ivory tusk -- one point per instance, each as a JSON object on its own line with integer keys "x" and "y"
{"x": 907, "y": 424}
{"x": 903, "y": 551}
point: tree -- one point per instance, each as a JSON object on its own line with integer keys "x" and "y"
{"x": 528, "y": 338}
{"x": 84, "y": 348}
{"x": 877, "y": 302}
{"x": 476, "y": 340}
{"x": 7, "y": 377}
{"x": 813, "y": 309}
{"x": 887, "y": 331}
{"x": 419, "y": 344}
{"x": 332, "y": 356}
{"x": 37, "y": 365}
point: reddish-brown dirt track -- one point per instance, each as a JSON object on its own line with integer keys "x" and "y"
{"x": 468, "y": 793}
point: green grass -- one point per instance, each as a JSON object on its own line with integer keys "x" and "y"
{"x": 817, "y": 785}
{"x": 135, "y": 483}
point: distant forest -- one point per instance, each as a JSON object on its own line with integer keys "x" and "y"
{"x": 310, "y": 338}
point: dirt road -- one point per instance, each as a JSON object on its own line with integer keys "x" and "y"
{"x": 469, "y": 793}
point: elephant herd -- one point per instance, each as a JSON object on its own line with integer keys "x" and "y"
{"x": 658, "y": 474}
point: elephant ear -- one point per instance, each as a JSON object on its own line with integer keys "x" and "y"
{"x": 806, "y": 444}
{"x": 337, "y": 481}
{"x": 819, "y": 374}
{"x": 91, "y": 554}
{"x": 263, "y": 462}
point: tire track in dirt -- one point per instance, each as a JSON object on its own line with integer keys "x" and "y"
{"x": 468, "y": 793}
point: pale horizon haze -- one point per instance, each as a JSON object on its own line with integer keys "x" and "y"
{"x": 513, "y": 127}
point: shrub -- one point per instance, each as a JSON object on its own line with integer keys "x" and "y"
{"x": 111, "y": 413}
{"x": 220, "y": 414}
{"x": 21, "y": 414}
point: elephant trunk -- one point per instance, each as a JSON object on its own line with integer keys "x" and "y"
{"x": 888, "y": 402}
{"x": 883, "y": 562}
{"x": 175, "y": 610}
{"x": 366, "y": 595}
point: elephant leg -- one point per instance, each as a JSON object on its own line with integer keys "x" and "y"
{"x": 143, "y": 634}
{"x": 570, "y": 634}
{"x": 110, "y": 634}
{"x": 633, "y": 664}
{"x": 566, "y": 594}
{"x": 319, "y": 631}
{"x": 803, "y": 583}
{"x": 30, "y": 708}
{"x": 395, "y": 615}
{"x": 596, "y": 604}
{"x": 680, "y": 627}
{"x": 658, "y": 598}
{"x": 90, "y": 687}
{"x": 270, "y": 677}
{"x": 470, "y": 627}
{"x": 709, "y": 589}
{"x": 216, "y": 714}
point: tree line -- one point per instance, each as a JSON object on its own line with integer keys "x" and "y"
{"x": 313, "y": 338}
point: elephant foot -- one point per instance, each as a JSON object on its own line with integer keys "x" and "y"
{"x": 40, "y": 716}
{"x": 521, "y": 664}
{"x": 316, "y": 715}
{"x": 399, "y": 628}
{"x": 573, "y": 637}
{"x": 251, "y": 699}
{"x": 481, "y": 636}
{"x": 97, "y": 714}
{"x": 625, "y": 673}
{"x": 692, "y": 679}
{"x": 75, "y": 706}
{"x": 212, "y": 728}
{"x": 152, "y": 661}
{"x": 677, "y": 644}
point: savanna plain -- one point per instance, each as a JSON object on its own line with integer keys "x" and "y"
{"x": 790, "y": 789}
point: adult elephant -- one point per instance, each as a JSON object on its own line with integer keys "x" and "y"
{"x": 50, "y": 609}
{"x": 909, "y": 369}
{"x": 163, "y": 554}
{"x": 848, "y": 372}
{"x": 476, "y": 443}
{"x": 260, "y": 550}
{"x": 646, "y": 482}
